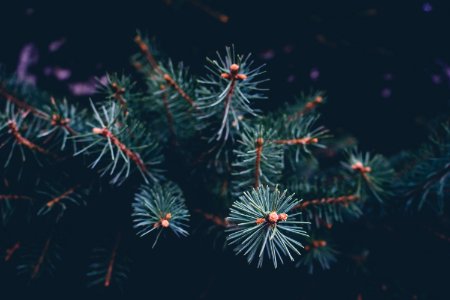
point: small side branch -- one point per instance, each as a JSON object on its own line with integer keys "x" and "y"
{"x": 299, "y": 141}
{"x": 330, "y": 200}
{"x": 145, "y": 50}
{"x": 62, "y": 196}
{"x": 259, "y": 148}
{"x": 14, "y": 130}
{"x": 170, "y": 81}
{"x": 118, "y": 95}
{"x": 10, "y": 251}
{"x": 112, "y": 260}
{"x": 307, "y": 108}
{"x": 21, "y": 103}
{"x": 129, "y": 153}
{"x": 234, "y": 76}
{"x": 212, "y": 12}
{"x": 147, "y": 53}
{"x": 14, "y": 197}
{"x": 38, "y": 265}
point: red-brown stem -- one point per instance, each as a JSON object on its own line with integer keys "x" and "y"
{"x": 145, "y": 49}
{"x": 169, "y": 115}
{"x": 307, "y": 108}
{"x": 224, "y": 189}
{"x": 330, "y": 200}
{"x": 229, "y": 96}
{"x": 118, "y": 95}
{"x": 40, "y": 261}
{"x": 213, "y": 218}
{"x": 259, "y": 148}
{"x": 299, "y": 141}
{"x": 21, "y": 103}
{"x": 14, "y": 197}
{"x": 132, "y": 155}
{"x": 12, "y": 125}
{"x": 170, "y": 81}
{"x": 62, "y": 196}
{"x": 10, "y": 251}
{"x": 112, "y": 260}
{"x": 208, "y": 10}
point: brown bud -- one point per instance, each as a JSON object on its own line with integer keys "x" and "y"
{"x": 165, "y": 223}
{"x": 273, "y": 217}
{"x": 234, "y": 68}
{"x": 283, "y": 216}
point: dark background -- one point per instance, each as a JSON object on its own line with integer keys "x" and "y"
{"x": 382, "y": 64}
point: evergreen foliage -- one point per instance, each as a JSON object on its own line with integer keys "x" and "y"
{"x": 249, "y": 164}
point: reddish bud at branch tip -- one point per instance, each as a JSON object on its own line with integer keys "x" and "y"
{"x": 234, "y": 68}
{"x": 96, "y": 130}
{"x": 273, "y": 217}
{"x": 283, "y": 216}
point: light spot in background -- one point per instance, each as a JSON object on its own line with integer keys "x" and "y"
{"x": 288, "y": 49}
{"x": 86, "y": 88}
{"x": 290, "y": 78}
{"x": 436, "y": 79}
{"x": 60, "y": 73}
{"x": 388, "y": 76}
{"x": 427, "y": 7}
{"x": 267, "y": 54}
{"x": 29, "y": 56}
{"x": 386, "y": 93}
{"x": 29, "y": 11}
{"x": 314, "y": 74}
{"x": 55, "y": 45}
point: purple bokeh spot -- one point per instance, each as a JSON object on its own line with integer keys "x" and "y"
{"x": 314, "y": 74}
{"x": 386, "y": 93}
{"x": 29, "y": 56}
{"x": 61, "y": 73}
{"x": 267, "y": 54}
{"x": 288, "y": 49}
{"x": 55, "y": 45}
{"x": 86, "y": 88}
{"x": 291, "y": 78}
{"x": 436, "y": 79}
{"x": 29, "y": 11}
{"x": 447, "y": 72}
{"x": 388, "y": 76}
{"x": 427, "y": 7}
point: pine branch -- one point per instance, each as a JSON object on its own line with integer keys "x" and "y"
{"x": 160, "y": 207}
{"x": 110, "y": 265}
{"x": 38, "y": 259}
{"x": 343, "y": 200}
{"x": 372, "y": 173}
{"x": 58, "y": 196}
{"x": 225, "y": 94}
{"x": 112, "y": 261}
{"x": 264, "y": 227}
{"x": 8, "y": 96}
{"x": 426, "y": 177}
{"x": 318, "y": 253}
{"x": 258, "y": 161}
{"x": 129, "y": 146}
